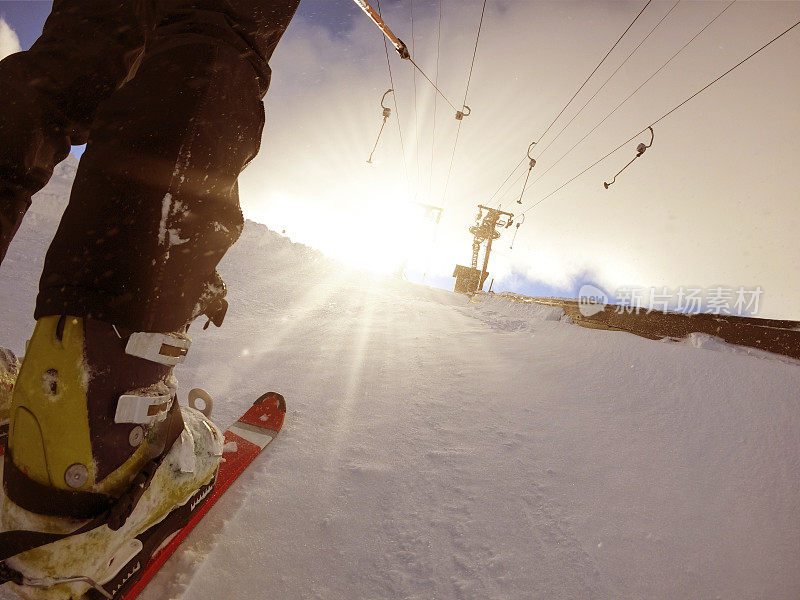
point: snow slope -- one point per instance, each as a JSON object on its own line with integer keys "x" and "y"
{"x": 441, "y": 448}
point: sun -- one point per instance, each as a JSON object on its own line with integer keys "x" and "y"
{"x": 379, "y": 231}
{"x": 387, "y": 236}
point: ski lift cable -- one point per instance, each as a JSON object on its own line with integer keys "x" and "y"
{"x": 574, "y": 95}
{"x": 474, "y": 52}
{"x": 450, "y": 168}
{"x": 508, "y": 191}
{"x": 394, "y": 96}
{"x": 398, "y": 44}
{"x": 622, "y": 64}
{"x": 541, "y": 137}
{"x": 434, "y": 240}
{"x": 414, "y": 79}
{"x": 510, "y": 175}
{"x": 464, "y": 106}
{"x": 665, "y": 115}
{"x": 435, "y": 99}
{"x": 436, "y": 87}
{"x": 618, "y": 106}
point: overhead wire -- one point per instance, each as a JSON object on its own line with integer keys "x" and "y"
{"x": 629, "y": 96}
{"x": 573, "y": 97}
{"x": 474, "y": 53}
{"x": 435, "y": 98}
{"x": 394, "y": 96}
{"x": 397, "y": 43}
{"x": 416, "y": 109}
{"x": 435, "y": 86}
{"x": 575, "y": 116}
{"x": 622, "y": 64}
{"x": 464, "y": 104}
{"x": 610, "y": 50}
{"x": 664, "y": 116}
{"x": 433, "y": 141}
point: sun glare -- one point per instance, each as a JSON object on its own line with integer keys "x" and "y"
{"x": 388, "y": 237}
{"x": 381, "y": 232}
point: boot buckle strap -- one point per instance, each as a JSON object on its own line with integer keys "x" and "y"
{"x": 158, "y": 347}
{"x": 142, "y": 410}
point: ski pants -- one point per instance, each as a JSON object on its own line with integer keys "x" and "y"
{"x": 167, "y": 96}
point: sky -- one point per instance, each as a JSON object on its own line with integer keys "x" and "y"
{"x": 711, "y": 206}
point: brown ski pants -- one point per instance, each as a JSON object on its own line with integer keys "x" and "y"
{"x": 167, "y": 93}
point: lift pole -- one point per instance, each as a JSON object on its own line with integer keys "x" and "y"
{"x": 398, "y": 44}
{"x": 484, "y": 230}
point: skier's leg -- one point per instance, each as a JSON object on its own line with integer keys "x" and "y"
{"x": 48, "y": 94}
{"x": 153, "y": 208}
{"x": 155, "y": 201}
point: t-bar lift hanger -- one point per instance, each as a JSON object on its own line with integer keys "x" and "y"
{"x": 387, "y": 112}
{"x": 639, "y": 151}
{"x": 532, "y": 164}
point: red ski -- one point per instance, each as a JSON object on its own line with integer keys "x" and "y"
{"x": 244, "y": 440}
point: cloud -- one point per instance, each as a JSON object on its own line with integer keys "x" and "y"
{"x": 9, "y": 42}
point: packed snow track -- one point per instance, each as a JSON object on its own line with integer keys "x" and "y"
{"x": 440, "y": 448}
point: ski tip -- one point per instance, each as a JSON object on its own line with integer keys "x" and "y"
{"x": 278, "y": 398}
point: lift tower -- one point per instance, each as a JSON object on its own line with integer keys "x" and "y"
{"x": 470, "y": 279}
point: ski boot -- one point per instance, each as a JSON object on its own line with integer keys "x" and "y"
{"x": 102, "y": 464}
{"x": 9, "y": 365}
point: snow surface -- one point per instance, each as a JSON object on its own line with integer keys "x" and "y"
{"x": 440, "y": 448}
